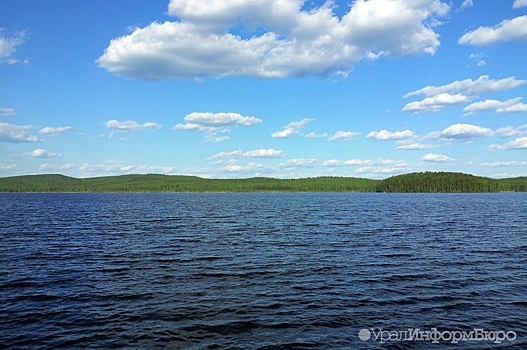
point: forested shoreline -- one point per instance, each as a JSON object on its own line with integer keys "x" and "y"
{"x": 441, "y": 182}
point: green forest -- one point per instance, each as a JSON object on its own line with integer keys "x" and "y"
{"x": 413, "y": 182}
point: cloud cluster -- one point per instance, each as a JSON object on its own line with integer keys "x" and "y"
{"x": 519, "y": 3}
{"x": 518, "y": 143}
{"x": 16, "y": 133}
{"x": 213, "y": 123}
{"x": 437, "y": 158}
{"x": 460, "y": 132}
{"x": 385, "y": 135}
{"x": 7, "y": 112}
{"x": 343, "y": 135}
{"x": 51, "y": 131}
{"x": 371, "y": 167}
{"x": 507, "y": 30}
{"x": 457, "y": 93}
{"x": 510, "y": 106}
{"x": 130, "y": 125}
{"x": 42, "y": 153}
{"x": 272, "y": 38}
{"x": 291, "y": 129}
{"x": 8, "y": 44}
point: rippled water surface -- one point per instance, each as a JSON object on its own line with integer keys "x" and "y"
{"x": 260, "y": 271}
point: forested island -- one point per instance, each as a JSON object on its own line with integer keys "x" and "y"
{"x": 436, "y": 182}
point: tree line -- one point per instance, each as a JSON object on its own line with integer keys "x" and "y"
{"x": 413, "y": 182}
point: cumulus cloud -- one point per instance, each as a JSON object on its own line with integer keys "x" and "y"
{"x": 371, "y": 167}
{"x": 510, "y": 106}
{"x": 519, "y": 3}
{"x": 299, "y": 163}
{"x": 313, "y": 135}
{"x": 508, "y": 30}
{"x": 47, "y": 167}
{"x": 343, "y": 135}
{"x": 518, "y": 143}
{"x": 130, "y": 125}
{"x": 8, "y": 45}
{"x": 464, "y": 132}
{"x": 213, "y": 123}
{"x": 384, "y": 135}
{"x": 504, "y": 164}
{"x": 436, "y": 103}
{"x": 50, "y": 131}
{"x": 405, "y": 145}
{"x": 364, "y": 162}
{"x": 7, "y": 112}
{"x": 291, "y": 129}
{"x": 42, "y": 153}
{"x": 467, "y": 3}
{"x": 469, "y": 87}
{"x": 233, "y": 154}
{"x": 457, "y": 93}
{"x": 247, "y": 168}
{"x": 16, "y": 133}
{"x": 509, "y": 131}
{"x": 478, "y": 59}
{"x": 264, "y": 153}
{"x": 277, "y": 38}
{"x": 437, "y": 158}
{"x": 110, "y": 167}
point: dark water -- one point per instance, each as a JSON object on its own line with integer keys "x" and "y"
{"x": 260, "y": 271}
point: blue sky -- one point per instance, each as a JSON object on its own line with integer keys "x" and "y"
{"x": 243, "y": 88}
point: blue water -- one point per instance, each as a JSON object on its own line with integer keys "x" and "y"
{"x": 260, "y": 271}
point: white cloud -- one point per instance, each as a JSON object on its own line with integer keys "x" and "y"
{"x": 518, "y": 143}
{"x": 130, "y": 125}
{"x": 504, "y": 164}
{"x": 388, "y": 135}
{"x": 42, "y": 153}
{"x": 464, "y": 132}
{"x": 55, "y": 167}
{"x": 469, "y": 87}
{"x": 508, "y": 30}
{"x": 343, "y": 135}
{"x": 436, "y": 103}
{"x": 299, "y": 163}
{"x": 7, "y": 112}
{"x": 8, "y": 44}
{"x": 405, "y": 145}
{"x": 467, "y": 3}
{"x": 519, "y": 3}
{"x": 223, "y": 155}
{"x": 478, "y": 58}
{"x": 365, "y": 162}
{"x": 313, "y": 135}
{"x": 213, "y": 123}
{"x": 510, "y": 106}
{"x": 16, "y": 133}
{"x": 373, "y": 171}
{"x": 291, "y": 129}
{"x": 264, "y": 153}
{"x": 437, "y": 158}
{"x": 280, "y": 39}
{"x": 509, "y": 131}
{"x": 116, "y": 167}
{"x": 7, "y": 166}
{"x": 50, "y": 131}
{"x": 237, "y": 168}
{"x": 371, "y": 167}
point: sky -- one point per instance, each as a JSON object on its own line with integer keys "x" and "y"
{"x": 273, "y": 88}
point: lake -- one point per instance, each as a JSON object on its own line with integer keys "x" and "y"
{"x": 263, "y": 271}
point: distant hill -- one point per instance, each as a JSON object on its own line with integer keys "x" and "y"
{"x": 413, "y": 182}
{"x": 450, "y": 182}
